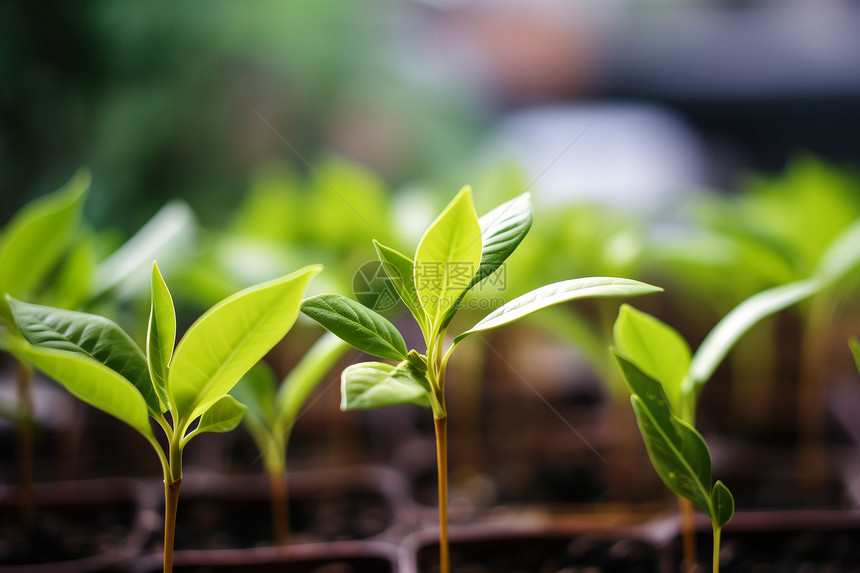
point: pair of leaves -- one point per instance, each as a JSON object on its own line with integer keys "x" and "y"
{"x": 456, "y": 238}
{"x": 96, "y": 361}
{"x": 677, "y": 451}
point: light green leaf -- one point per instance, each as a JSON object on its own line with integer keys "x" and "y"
{"x": 163, "y": 237}
{"x": 556, "y": 293}
{"x": 656, "y": 348}
{"x": 502, "y": 230}
{"x": 72, "y": 285}
{"x": 376, "y": 384}
{"x": 723, "y": 504}
{"x": 230, "y": 338}
{"x": 361, "y": 327}
{"x": 842, "y": 255}
{"x": 677, "y": 451}
{"x": 737, "y": 322}
{"x": 448, "y": 257}
{"x": 399, "y": 269}
{"x": 160, "y": 336}
{"x": 88, "y": 335}
{"x": 38, "y": 235}
{"x": 855, "y": 350}
{"x": 304, "y": 377}
{"x": 222, "y": 416}
{"x": 90, "y": 381}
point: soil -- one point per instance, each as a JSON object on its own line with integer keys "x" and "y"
{"x": 543, "y": 554}
{"x": 210, "y": 523}
{"x": 784, "y": 542}
{"x": 353, "y": 565}
{"x": 64, "y": 532}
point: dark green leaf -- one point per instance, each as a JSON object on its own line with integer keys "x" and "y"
{"x": 502, "y": 230}
{"x": 361, "y": 327}
{"x": 677, "y": 451}
{"x": 724, "y": 504}
{"x": 376, "y": 384}
{"x": 88, "y": 335}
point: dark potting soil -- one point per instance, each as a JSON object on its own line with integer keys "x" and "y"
{"x": 819, "y": 551}
{"x": 207, "y": 523}
{"x": 63, "y": 532}
{"x": 352, "y": 565}
{"x": 544, "y": 555}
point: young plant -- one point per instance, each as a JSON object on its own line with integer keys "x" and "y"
{"x": 456, "y": 253}
{"x": 665, "y": 381}
{"x": 100, "y": 364}
{"x": 38, "y": 243}
{"x": 271, "y": 413}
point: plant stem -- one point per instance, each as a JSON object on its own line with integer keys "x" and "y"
{"x": 171, "y": 502}
{"x": 688, "y": 534}
{"x": 441, "y": 425}
{"x": 716, "y": 566}
{"x": 25, "y": 443}
{"x": 280, "y": 506}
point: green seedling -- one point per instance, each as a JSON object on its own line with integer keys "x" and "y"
{"x": 36, "y": 245}
{"x": 457, "y": 252}
{"x": 271, "y": 412}
{"x": 183, "y": 389}
{"x": 665, "y": 381}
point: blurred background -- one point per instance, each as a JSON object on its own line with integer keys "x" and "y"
{"x": 614, "y": 100}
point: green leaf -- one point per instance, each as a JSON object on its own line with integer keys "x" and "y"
{"x": 738, "y": 321}
{"x": 854, "y": 344}
{"x": 448, "y": 257}
{"x": 723, "y": 504}
{"x": 842, "y": 255}
{"x": 256, "y": 390}
{"x": 230, "y": 338}
{"x": 304, "y": 377}
{"x": 677, "y": 451}
{"x": 222, "y": 416}
{"x": 90, "y": 381}
{"x": 361, "y": 327}
{"x": 375, "y": 384}
{"x": 502, "y": 230}
{"x": 88, "y": 335}
{"x": 36, "y": 238}
{"x": 72, "y": 285}
{"x": 163, "y": 237}
{"x": 399, "y": 269}
{"x": 161, "y": 336}
{"x": 655, "y": 347}
{"x": 556, "y": 293}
